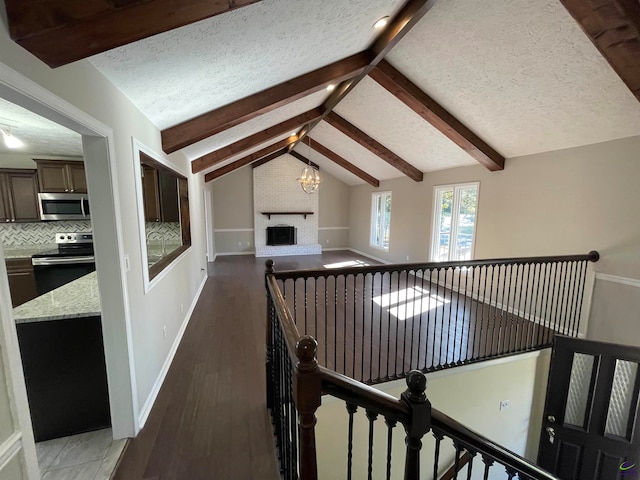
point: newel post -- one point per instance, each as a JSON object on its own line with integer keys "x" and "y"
{"x": 419, "y": 424}
{"x": 269, "y": 350}
{"x": 307, "y": 393}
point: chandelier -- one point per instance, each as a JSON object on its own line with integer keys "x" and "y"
{"x": 309, "y": 177}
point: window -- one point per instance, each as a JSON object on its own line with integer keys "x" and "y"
{"x": 454, "y": 222}
{"x": 165, "y": 201}
{"x": 380, "y": 219}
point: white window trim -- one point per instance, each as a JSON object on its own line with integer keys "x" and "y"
{"x": 435, "y": 240}
{"x": 373, "y": 220}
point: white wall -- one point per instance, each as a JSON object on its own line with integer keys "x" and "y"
{"x": 562, "y": 202}
{"x": 470, "y": 395}
{"x": 116, "y": 226}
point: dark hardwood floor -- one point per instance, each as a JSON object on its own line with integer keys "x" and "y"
{"x": 210, "y": 419}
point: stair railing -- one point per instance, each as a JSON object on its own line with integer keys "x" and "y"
{"x": 296, "y": 384}
{"x": 376, "y": 323}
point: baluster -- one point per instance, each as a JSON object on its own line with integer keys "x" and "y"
{"x": 422, "y": 310}
{"x": 534, "y": 308}
{"x": 436, "y": 460}
{"x": 351, "y": 409}
{"x": 508, "y": 272}
{"x": 449, "y": 318}
{"x": 458, "y": 319}
{"x": 471, "y": 337}
{"x": 307, "y": 394}
{"x": 306, "y": 305}
{"x": 372, "y": 416}
{"x": 456, "y": 463}
{"x": 295, "y": 301}
{"x": 335, "y": 322}
{"x": 355, "y": 342}
{"x": 442, "y": 310}
{"x": 583, "y": 278}
{"x": 388, "y": 316}
{"x": 541, "y": 329}
{"x": 487, "y": 465}
{"x": 511, "y": 472}
{"x": 482, "y": 314}
{"x": 420, "y": 422}
{"x": 414, "y": 292}
{"x": 491, "y": 310}
{"x": 526, "y": 314}
{"x": 516, "y": 310}
{"x": 470, "y": 463}
{"x": 269, "y": 327}
{"x": 395, "y": 352}
{"x": 372, "y": 277}
{"x": 326, "y": 333}
{"x": 344, "y": 327}
{"x": 390, "y": 426}
{"x": 573, "y": 296}
{"x": 562, "y": 304}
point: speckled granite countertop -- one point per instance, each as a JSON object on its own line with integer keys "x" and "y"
{"x": 76, "y": 299}
{"x": 27, "y": 251}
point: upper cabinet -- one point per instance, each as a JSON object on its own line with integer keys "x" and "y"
{"x": 57, "y": 176}
{"x": 160, "y": 192}
{"x": 18, "y": 196}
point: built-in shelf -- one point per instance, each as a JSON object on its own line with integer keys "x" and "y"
{"x": 304, "y": 214}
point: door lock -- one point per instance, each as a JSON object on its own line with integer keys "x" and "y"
{"x": 552, "y": 433}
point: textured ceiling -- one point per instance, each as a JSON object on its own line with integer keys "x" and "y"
{"x": 353, "y": 152}
{"x": 178, "y": 75}
{"x": 39, "y": 135}
{"x": 255, "y": 125}
{"x": 520, "y": 74}
{"x": 380, "y": 115}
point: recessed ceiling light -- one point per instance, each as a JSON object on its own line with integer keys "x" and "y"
{"x": 293, "y": 134}
{"x": 331, "y": 87}
{"x": 381, "y": 23}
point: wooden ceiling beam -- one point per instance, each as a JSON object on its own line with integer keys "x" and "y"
{"x": 271, "y": 149}
{"x": 213, "y": 158}
{"x": 303, "y": 159}
{"x": 61, "y": 32}
{"x": 614, "y": 28}
{"x": 268, "y": 158}
{"x": 357, "y": 135}
{"x": 401, "y": 24}
{"x": 425, "y": 106}
{"x": 216, "y": 121}
{"x": 335, "y": 158}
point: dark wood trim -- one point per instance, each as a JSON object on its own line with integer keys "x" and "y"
{"x": 271, "y": 149}
{"x": 412, "y": 96}
{"x": 375, "y": 147}
{"x": 164, "y": 262}
{"x": 213, "y": 158}
{"x": 303, "y": 159}
{"x": 401, "y": 24}
{"x": 334, "y": 157}
{"x": 268, "y": 158}
{"x": 216, "y": 121}
{"x": 304, "y": 214}
{"x": 59, "y": 33}
{"x": 614, "y": 28}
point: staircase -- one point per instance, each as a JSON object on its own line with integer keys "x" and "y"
{"x": 335, "y": 331}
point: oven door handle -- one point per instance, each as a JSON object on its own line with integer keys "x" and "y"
{"x": 46, "y": 261}
{"x": 82, "y": 206}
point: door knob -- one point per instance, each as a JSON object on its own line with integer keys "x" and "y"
{"x": 551, "y": 418}
{"x": 552, "y": 433}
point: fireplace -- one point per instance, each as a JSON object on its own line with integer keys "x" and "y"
{"x": 281, "y": 235}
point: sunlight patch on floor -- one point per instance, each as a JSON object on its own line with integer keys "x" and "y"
{"x": 348, "y": 263}
{"x": 409, "y": 302}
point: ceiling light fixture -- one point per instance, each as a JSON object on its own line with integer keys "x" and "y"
{"x": 309, "y": 177}
{"x": 381, "y": 23}
{"x": 10, "y": 140}
{"x": 331, "y": 87}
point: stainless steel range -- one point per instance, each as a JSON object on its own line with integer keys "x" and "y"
{"x": 71, "y": 260}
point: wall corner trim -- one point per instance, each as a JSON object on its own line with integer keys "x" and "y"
{"x": 155, "y": 390}
{"x": 633, "y": 282}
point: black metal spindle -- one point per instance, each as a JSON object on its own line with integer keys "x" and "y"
{"x": 583, "y": 279}
{"x": 397, "y": 335}
{"x": 456, "y": 462}
{"x": 436, "y": 458}
{"x": 388, "y": 316}
{"x": 484, "y": 314}
{"x": 470, "y": 464}
{"x": 488, "y": 462}
{"x": 518, "y": 309}
{"x": 491, "y": 307}
{"x": 371, "y": 416}
{"x": 511, "y": 472}
{"x": 390, "y": 426}
{"x": 315, "y": 309}
{"x": 335, "y": 322}
{"x": 371, "y": 306}
{"x": 355, "y": 341}
{"x": 351, "y": 409}
{"x": 572, "y": 298}
{"x": 534, "y": 305}
{"x": 504, "y": 319}
{"x": 344, "y": 327}
{"x": 563, "y": 302}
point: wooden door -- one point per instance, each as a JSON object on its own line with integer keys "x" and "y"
{"x": 77, "y": 178}
{"x": 23, "y": 193}
{"x": 591, "y": 411}
{"x": 52, "y": 176}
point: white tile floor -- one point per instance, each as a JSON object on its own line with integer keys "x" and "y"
{"x": 87, "y": 456}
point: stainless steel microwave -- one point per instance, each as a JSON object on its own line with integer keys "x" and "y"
{"x": 63, "y": 206}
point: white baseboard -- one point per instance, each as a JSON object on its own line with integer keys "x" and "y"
{"x": 148, "y": 404}
{"x": 334, "y": 249}
{"x": 386, "y": 262}
{"x": 228, "y": 254}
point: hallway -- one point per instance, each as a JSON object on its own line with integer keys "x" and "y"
{"x": 209, "y": 421}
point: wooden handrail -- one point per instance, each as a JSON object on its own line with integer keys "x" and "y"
{"x": 592, "y": 256}
{"x": 451, "y": 473}
{"x": 481, "y": 444}
{"x": 364, "y": 396}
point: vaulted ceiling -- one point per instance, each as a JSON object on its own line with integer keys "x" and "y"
{"x": 446, "y": 83}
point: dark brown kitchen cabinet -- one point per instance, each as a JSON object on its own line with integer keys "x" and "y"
{"x": 22, "y": 280}
{"x": 160, "y": 192}
{"x": 18, "y": 196}
{"x": 58, "y": 176}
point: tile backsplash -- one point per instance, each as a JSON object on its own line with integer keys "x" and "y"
{"x": 43, "y": 233}
{"x": 38, "y": 233}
